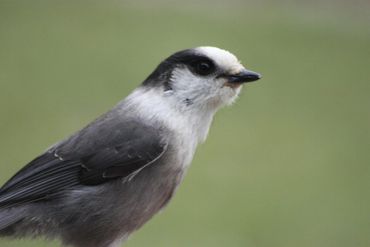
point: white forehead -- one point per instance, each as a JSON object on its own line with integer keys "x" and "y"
{"x": 222, "y": 58}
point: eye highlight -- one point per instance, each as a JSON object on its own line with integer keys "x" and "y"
{"x": 203, "y": 67}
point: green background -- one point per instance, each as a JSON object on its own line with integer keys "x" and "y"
{"x": 288, "y": 165}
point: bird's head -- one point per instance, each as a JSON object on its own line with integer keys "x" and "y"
{"x": 200, "y": 77}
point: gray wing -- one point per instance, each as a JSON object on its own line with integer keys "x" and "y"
{"x": 97, "y": 154}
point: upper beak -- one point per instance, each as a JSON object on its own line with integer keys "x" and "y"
{"x": 243, "y": 76}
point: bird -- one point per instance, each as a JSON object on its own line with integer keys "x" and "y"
{"x": 101, "y": 184}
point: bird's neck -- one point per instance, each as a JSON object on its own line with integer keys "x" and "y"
{"x": 155, "y": 106}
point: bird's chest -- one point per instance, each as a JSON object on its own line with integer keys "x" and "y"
{"x": 159, "y": 181}
{"x": 151, "y": 189}
{"x": 183, "y": 148}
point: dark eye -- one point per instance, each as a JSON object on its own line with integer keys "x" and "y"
{"x": 203, "y": 67}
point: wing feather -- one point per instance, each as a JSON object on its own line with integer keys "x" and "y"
{"x": 58, "y": 170}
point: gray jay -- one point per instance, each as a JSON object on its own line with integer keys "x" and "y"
{"x": 99, "y": 185}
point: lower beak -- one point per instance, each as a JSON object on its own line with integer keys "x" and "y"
{"x": 243, "y": 76}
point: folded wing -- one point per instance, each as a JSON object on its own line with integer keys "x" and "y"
{"x": 122, "y": 155}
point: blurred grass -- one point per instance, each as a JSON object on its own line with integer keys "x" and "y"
{"x": 287, "y": 165}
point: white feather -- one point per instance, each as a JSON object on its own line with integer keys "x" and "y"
{"x": 223, "y": 58}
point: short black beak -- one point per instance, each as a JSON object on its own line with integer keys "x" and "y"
{"x": 243, "y": 76}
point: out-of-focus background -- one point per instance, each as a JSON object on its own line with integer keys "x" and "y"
{"x": 288, "y": 165}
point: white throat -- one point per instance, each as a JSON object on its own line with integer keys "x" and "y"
{"x": 155, "y": 106}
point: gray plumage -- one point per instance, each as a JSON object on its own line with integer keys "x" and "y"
{"x": 104, "y": 182}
